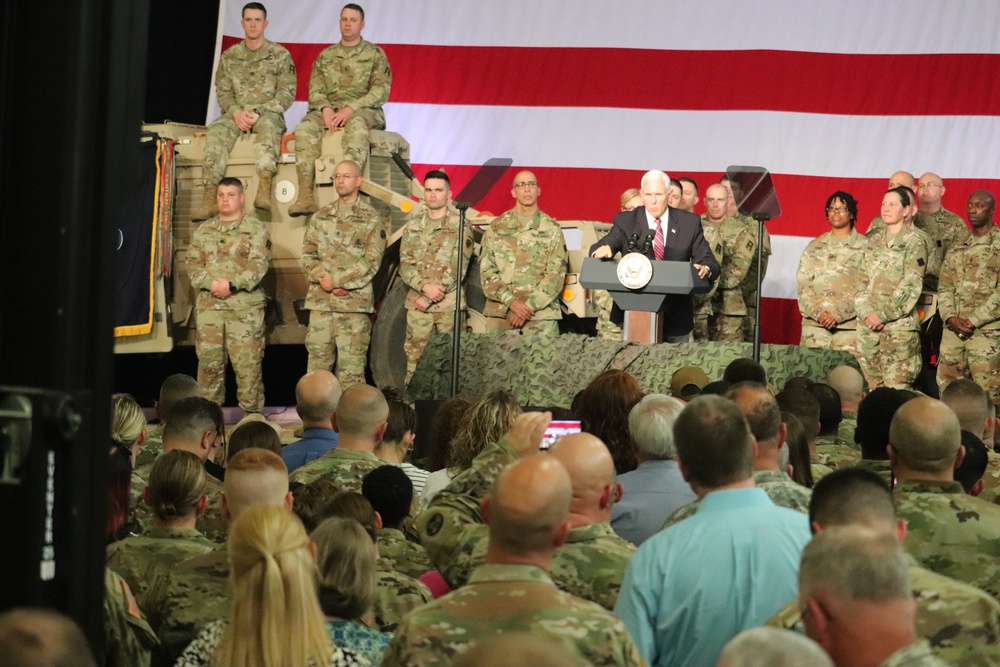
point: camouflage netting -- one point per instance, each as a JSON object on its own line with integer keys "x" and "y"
{"x": 545, "y": 371}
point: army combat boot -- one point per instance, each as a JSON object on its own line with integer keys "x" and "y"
{"x": 207, "y": 208}
{"x": 305, "y": 204}
{"x": 263, "y": 198}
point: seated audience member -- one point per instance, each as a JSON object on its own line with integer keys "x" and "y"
{"x": 390, "y": 492}
{"x": 875, "y": 415}
{"x": 798, "y": 450}
{"x": 432, "y": 453}
{"x": 656, "y": 488}
{"x": 975, "y": 414}
{"x": 527, "y": 511}
{"x": 397, "y": 441}
{"x": 360, "y": 421}
{"x": 182, "y": 600}
{"x": 42, "y": 638}
{"x": 316, "y": 396}
{"x": 311, "y": 502}
{"x": 849, "y": 384}
{"x": 483, "y": 423}
{"x": 396, "y": 594}
{"x": 959, "y": 620}
{"x": 831, "y": 451}
{"x": 950, "y": 532}
{"x": 693, "y": 586}
{"x": 275, "y": 617}
{"x": 717, "y": 388}
{"x": 603, "y": 408}
{"x": 970, "y": 473}
{"x": 745, "y": 370}
{"x": 128, "y": 423}
{"x": 345, "y": 558}
{"x": 770, "y": 647}
{"x": 687, "y": 382}
{"x": 128, "y": 639}
{"x": 798, "y": 383}
{"x": 854, "y": 591}
{"x": 173, "y": 389}
{"x": 804, "y": 405}
{"x": 251, "y": 434}
{"x": 120, "y": 519}
{"x": 519, "y": 649}
{"x": 592, "y": 561}
{"x": 176, "y": 497}
{"x": 761, "y": 412}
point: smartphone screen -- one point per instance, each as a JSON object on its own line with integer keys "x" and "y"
{"x": 558, "y": 429}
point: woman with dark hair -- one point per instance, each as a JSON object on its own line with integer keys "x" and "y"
{"x": 603, "y": 408}
{"x": 797, "y": 446}
{"x": 119, "y": 492}
{"x": 432, "y": 454}
{"x": 829, "y": 277}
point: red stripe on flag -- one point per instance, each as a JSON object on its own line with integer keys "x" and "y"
{"x": 780, "y": 321}
{"x": 593, "y": 194}
{"x": 866, "y": 84}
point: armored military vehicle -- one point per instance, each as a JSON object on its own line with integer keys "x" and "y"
{"x": 390, "y": 190}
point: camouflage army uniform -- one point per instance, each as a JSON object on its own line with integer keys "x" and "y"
{"x": 260, "y": 80}
{"x": 893, "y": 272}
{"x": 729, "y": 307}
{"x": 881, "y": 468}
{"x": 128, "y": 639}
{"x": 151, "y": 448}
{"x": 970, "y": 288}
{"x": 957, "y": 619}
{"x": 750, "y": 284}
{"x": 828, "y": 278}
{"x": 402, "y": 555}
{"x": 605, "y": 327}
{"x": 210, "y": 524}
{"x": 832, "y": 452}
{"x": 344, "y": 76}
{"x": 523, "y": 260}
{"x": 703, "y": 302}
{"x": 848, "y": 425}
{"x": 590, "y": 564}
{"x": 238, "y": 251}
{"x": 501, "y": 599}
{"x": 991, "y": 477}
{"x": 137, "y": 559}
{"x": 344, "y": 467}
{"x": 951, "y": 533}
{"x": 182, "y": 600}
{"x": 778, "y": 486}
{"x": 935, "y": 246}
{"x": 396, "y": 595}
{"x": 917, "y": 654}
{"x": 346, "y": 242}
{"x": 427, "y": 256}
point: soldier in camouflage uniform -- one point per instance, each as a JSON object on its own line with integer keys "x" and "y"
{"x": 950, "y": 532}
{"x": 969, "y": 302}
{"x": 390, "y": 493}
{"x": 255, "y": 85}
{"x": 734, "y": 190}
{"x": 349, "y": 83}
{"x": 703, "y": 302}
{"x": 396, "y": 595}
{"x": 528, "y": 510}
{"x": 956, "y": 618}
{"x": 944, "y": 228}
{"x": 128, "y": 639}
{"x": 828, "y": 278}
{"x": 191, "y": 594}
{"x": 341, "y": 252}
{"x": 739, "y": 248}
{"x": 888, "y": 325}
{"x": 523, "y": 265}
{"x": 428, "y": 253}
{"x": 589, "y": 565}
{"x": 226, "y": 262}
{"x": 631, "y": 199}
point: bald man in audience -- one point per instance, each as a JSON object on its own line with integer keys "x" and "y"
{"x": 850, "y": 386}
{"x": 651, "y": 492}
{"x": 959, "y": 620}
{"x": 770, "y": 647}
{"x": 195, "y": 592}
{"x": 691, "y": 587}
{"x": 528, "y": 511}
{"x": 42, "y": 638}
{"x": 592, "y": 561}
{"x": 949, "y": 532}
{"x": 360, "y": 420}
{"x": 854, "y": 590}
{"x": 974, "y": 410}
{"x": 769, "y": 435}
{"x": 316, "y": 397}
{"x": 173, "y": 389}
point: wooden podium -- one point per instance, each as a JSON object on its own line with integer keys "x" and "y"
{"x": 642, "y": 306}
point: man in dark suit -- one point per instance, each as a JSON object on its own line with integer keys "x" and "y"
{"x": 677, "y": 236}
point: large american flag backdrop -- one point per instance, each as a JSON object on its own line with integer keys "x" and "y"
{"x": 589, "y": 94}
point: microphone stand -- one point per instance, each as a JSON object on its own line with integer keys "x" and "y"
{"x": 761, "y": 218}
{"x": 457, "y": 329}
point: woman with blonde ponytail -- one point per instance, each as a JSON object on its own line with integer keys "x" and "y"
{"x": 276, "y": 620}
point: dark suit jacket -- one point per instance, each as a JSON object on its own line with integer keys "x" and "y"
{"x": 685, "y": 242}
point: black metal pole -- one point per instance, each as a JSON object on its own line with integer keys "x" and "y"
{"x": 761, "y": 218}
{"x": 456, "y": 337}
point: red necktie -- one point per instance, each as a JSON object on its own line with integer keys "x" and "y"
{"x": 658, "y": 241}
